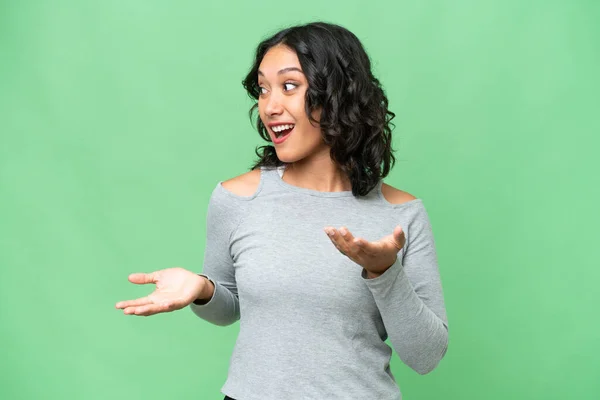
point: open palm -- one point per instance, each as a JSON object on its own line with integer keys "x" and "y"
{"x": 175, "y": 288}
{"x": 375, "y": 257}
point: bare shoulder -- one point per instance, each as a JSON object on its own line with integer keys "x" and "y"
{"x": 395, "y": 196}
{"x": 245, "y": 184}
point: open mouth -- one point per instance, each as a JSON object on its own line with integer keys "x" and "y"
{"x": 282, "y": 130}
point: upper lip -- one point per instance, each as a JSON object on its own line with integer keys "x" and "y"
{"x": 272, "y": 124}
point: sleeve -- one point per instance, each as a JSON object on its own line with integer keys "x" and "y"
{"x": 410, "y": 299}
{"x": 222, "y": 219}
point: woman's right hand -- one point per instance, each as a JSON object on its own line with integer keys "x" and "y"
{"x": 175, "y": 288}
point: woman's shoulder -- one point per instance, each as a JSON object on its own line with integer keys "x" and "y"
{"x": 230, "y": 199}
{"x": 415, "y": 215}
{"x": 396, "y": 196}
{"x": 244, "y": 185}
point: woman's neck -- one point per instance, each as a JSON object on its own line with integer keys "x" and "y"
{"x": 321, "y": 175}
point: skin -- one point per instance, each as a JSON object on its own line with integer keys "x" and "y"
{"x": 283, "y": 87}
{"x": 309, "y": 165}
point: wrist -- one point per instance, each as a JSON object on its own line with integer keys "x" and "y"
{"x": 371, "y": 275}
{"x": 206, "y": 292}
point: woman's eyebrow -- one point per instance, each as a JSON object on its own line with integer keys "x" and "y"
{"x": 283, "y": 71}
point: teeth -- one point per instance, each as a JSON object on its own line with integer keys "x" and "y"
{"x": 280, "y": 128}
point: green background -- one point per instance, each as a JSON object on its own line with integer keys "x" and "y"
{"x": 118, "y": 118}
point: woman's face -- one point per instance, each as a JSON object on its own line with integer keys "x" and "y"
{"x": 281, "y": 106}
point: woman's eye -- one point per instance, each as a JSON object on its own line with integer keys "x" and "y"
{"x": 289, "y": 86}
{"x": 262, "y": 90}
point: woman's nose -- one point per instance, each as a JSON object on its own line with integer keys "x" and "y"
{"x": 274, "y": 105}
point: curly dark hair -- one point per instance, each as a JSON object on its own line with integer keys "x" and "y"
{"x": 355, "y": 120}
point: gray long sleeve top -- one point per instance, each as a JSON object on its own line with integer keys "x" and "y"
{"x": 312, "y": 326}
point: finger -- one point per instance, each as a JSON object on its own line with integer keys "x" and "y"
{"x": 146, "y": 310}
{"x": 398, "y": 237}
{"x": 336, "y": 243}
{"x": 336, "y": 240}
{"x": 368, "y": 248}
{"x": 345, "y": 233}
{"x": 334, "y": 236}
{"x": 142, "y": 278}
{"x": 331, "y": 232}
{"x": 133, "y": 303}
{"x": 351, "y": 244}
{"x": 339, "y": 241}
{"x": 341, "y": 250}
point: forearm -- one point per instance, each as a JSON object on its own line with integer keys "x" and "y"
{"x": 418, "y": 335}
{"x": 220, "y": 306}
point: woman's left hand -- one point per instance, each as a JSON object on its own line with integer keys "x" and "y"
{"x": 375, "y": 257}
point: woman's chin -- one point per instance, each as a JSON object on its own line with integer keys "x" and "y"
{"x": 285, "y": 157}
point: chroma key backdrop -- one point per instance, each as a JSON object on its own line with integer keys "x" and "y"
{"x": 118, "y": 118}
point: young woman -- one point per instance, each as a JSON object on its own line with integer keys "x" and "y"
{"x": 318, "y": 258}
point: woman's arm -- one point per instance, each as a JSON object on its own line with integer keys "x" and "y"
{"x": 227, "y": 206}
{"x": 410, "y": 299}
{"x": 219, "y": 304}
